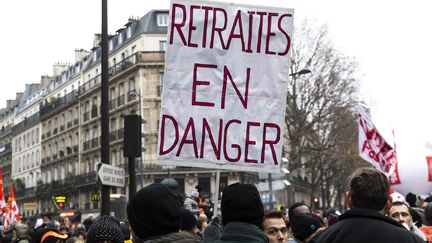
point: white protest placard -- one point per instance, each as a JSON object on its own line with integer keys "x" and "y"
{"x": 224, "y": 87}
{"x": 373, "y": 147}
{"x": 110, "y": 175}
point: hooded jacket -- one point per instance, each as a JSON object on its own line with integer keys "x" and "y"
{"x": 22, "y": 233}
{"x": 360, "y": 225}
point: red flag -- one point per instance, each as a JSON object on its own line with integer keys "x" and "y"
{"x": 12, "y": 213}
{"x": 2, "y": 198}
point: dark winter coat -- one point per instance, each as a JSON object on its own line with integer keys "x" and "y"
{"x": 238, "y": 232}
{"x": 178, "y": 237}
{"x": 360, "y": 225}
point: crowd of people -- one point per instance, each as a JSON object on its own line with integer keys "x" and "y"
{"x": 156, "y": 214}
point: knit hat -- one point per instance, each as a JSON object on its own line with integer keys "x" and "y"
{"x": 105, "y": 228}
{"x": 153, "y": 211}
{"x": 194, "y": 193}
{"x": 242, "y": 203}
{"x": 49, "y": 236}
{"x": 304, "y": 225}
{"x": 188, "y": 220}
{"x": 22, "y": 233}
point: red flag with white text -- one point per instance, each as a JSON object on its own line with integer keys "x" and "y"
{"x": 12, "y": 212}
{"x": 372, "y": 146}
{"x": 2, "y": 198}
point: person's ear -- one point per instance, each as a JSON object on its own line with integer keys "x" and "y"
{"x": 348, "y": 200}
{"x": 388, "y": 205}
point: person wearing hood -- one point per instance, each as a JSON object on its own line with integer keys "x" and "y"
{"x": 20, "y": 233}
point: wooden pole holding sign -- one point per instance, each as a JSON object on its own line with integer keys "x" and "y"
{"x": 216, "y": 197}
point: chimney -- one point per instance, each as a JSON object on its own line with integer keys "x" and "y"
{"x": 45, "y": 79}
{"x": 18, "y": 96}
{"x": 58, "y": 68}
{"x": 97, "y": 40}
{"x": 80, "y": 54}
{"x": 10, "y": 103}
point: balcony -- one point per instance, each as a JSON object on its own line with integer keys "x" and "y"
{"x": 86, "y": 116}
{"x": 112, "y": 104}
{"x": 26, "y": 123}
{"x": 120, "y": 133}
{"x": 86, "y": 145}
{"x": 48, "y": 108}
{"x": 7, "y": 148}
{"x": 94, "y": 112}
{"x": 121, "y": 100}
{"x": 25, "y": 193}
{"x": 95, "y": 142}
{"x": 125, "y": 64}
{"x": 113, "y": 136}
{"x": 132, "y": 95}
{"x": 91, "y": 84}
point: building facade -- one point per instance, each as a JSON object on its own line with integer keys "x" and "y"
{"x": 55, "y": 134}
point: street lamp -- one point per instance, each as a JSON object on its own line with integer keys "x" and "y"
{"x": 301, "y": 72}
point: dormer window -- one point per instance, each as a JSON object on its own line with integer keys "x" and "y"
{"x": 162, "y": 19}
{"x": 120, "y": 38}
{"x": 111, "y": 44}
{"x": 129, "y": 31}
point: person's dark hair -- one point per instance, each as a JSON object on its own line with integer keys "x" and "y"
{"x": 293, "y": 207}
{"x": 273, "y": 214}
{"x": 369, "y": 188}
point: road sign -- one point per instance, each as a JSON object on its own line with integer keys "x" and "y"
{"x": 276, "y": 185}
{"x": 111, "y": 175}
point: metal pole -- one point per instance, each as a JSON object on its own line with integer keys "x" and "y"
{"x": 105, "y": 190}
{"x": 132, "y": 176}
{"x": 142, "y": 171}
{"x": 270, "y": 181}
{"x": 216, "y": 198}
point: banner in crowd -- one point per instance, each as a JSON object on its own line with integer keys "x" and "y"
{"x": 224, "y": 87}
{"x": 373, "y": 147}
{"x": 2, "y": 198}
{"x": 12, "y": 212}
{"x": 415, "y": 175}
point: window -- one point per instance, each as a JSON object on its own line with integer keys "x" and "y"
{"x": 120, "y": 38}
{"x": 131, "y": 84}
{"x": 162, "y": 45}
{"x": 129, "y": 31}
{"x": 162, "y": 19}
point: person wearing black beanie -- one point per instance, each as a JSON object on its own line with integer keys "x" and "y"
{"x": 303, "y": 226}
{"x": 154, "y": 214}
{"x": 105, "y": 228}
{"x": 242, "y": 214}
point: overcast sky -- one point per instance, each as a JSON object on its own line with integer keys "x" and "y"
{"x": 391, "y": 40}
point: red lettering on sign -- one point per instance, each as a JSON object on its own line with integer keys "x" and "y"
{"x": 175, "y": 25}
{"x": 162, "y": 138}
{"x": 243, "y": 100}
{"x": 189, "y": 126}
